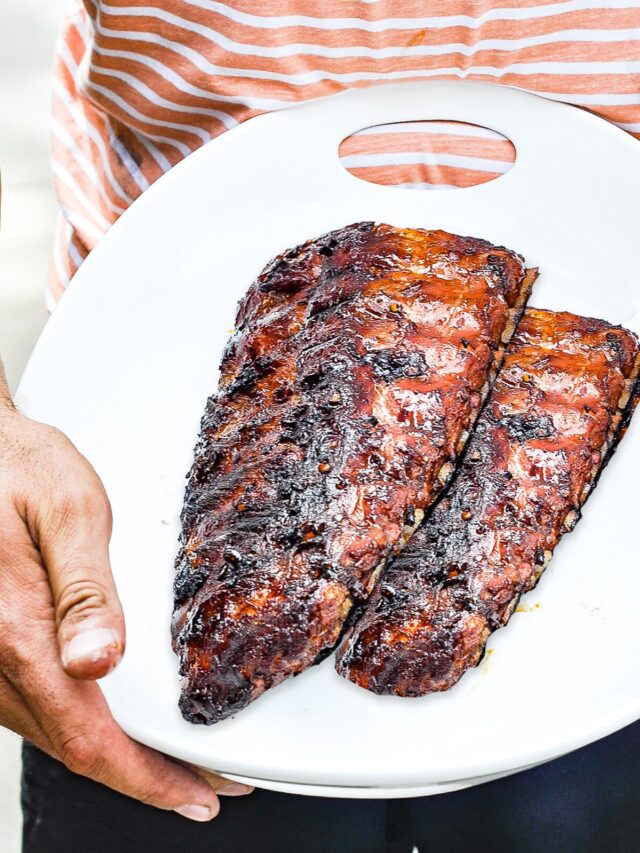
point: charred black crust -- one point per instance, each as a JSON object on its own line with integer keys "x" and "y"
{"x": 187, "y": 582}
{"x": 524, "y": 427}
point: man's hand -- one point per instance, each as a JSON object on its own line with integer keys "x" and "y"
{"x": 61, "y": 625}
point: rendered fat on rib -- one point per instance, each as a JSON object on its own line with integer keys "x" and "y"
{"x": 358, "y": 363}
{"x": 560, "y": 404}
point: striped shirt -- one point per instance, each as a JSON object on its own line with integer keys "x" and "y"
{"x": 139, "y": 84}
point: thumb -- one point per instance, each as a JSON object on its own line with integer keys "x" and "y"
{"x": 74, "y": 544}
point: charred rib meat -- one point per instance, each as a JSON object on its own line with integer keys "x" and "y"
{"x": 557, "y": 409}
{"x": 358, "y": 363}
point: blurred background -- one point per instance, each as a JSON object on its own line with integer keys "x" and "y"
{"x": 27, "y": 38}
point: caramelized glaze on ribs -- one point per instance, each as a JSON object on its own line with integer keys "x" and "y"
{"x": 358, "y": 362}
{"x": 553, "y": 417}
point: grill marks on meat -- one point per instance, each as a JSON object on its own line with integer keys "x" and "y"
{"x": 559, "y": 405}
{"x": 358, "y": 362}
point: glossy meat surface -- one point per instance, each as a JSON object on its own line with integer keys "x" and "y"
{"x": 358, "y": 362}
{"x": 552, "y": 419}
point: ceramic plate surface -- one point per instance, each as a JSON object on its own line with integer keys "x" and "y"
{"x": 131, "y": 354}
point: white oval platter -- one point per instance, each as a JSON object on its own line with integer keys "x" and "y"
{"x": 129, "y": 357}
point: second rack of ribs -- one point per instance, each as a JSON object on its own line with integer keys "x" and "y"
{"x": 553, "y": 418}
{"x": 358, "y": 363}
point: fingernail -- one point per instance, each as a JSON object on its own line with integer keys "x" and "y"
{"x": 234, "y": 790}
{"x": 89, "y": 645}
{"x": 193, "y": 812}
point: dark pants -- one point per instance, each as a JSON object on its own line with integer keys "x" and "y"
{"x": 586, "y": 802}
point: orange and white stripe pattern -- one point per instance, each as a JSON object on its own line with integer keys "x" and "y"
{"x": 427, "y": 155}
{"x": 139, "y": 84}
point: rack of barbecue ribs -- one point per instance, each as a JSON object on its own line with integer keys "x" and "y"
{"x": 560, "y": 404}
{"x": 358, "y": 365}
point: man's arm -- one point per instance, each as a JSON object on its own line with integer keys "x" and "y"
{"x": 61, "y": 624}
